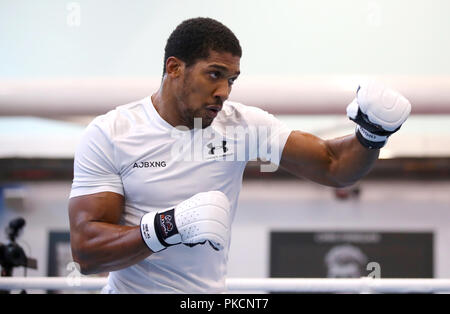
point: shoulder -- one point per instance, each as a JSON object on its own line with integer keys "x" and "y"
{"x": 240, "y": 113}
{"x": 231, "y": 107}
{"x": 121, "y": 120}
{"x": 234, "y": 113}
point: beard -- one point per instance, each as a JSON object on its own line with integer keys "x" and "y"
{"x": 193, "y": 118}
{"x": 196, "y": 118}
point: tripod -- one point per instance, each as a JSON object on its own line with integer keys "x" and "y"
{"x": 12, "y": 255}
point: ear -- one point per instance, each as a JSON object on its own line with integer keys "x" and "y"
{"x": 174, "y": 67}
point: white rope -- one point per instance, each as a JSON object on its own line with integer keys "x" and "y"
{"x": 52, "y": 283}
{"x": 362, "y": 285}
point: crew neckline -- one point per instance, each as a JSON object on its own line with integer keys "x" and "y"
{"x": 166, "y": 125}
{"x": 160, "y": 120}
{"x": 158, "y": 117}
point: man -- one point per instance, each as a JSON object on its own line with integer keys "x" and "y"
{"x": 157, "y": 216}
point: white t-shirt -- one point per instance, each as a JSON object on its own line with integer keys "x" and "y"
{"x": 134, "y": 152}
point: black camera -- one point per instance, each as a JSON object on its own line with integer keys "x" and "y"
{"x": 11, "y": 254}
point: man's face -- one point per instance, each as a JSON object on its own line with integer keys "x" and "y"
{"x": 205, "y": 86}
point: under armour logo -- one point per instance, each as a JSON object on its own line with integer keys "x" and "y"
{"x": 212, "y": 148}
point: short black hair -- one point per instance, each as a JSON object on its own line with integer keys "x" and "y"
{"x": 194, "y": 38}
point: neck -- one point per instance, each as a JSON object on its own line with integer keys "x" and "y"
{"x": 166, "y": 105}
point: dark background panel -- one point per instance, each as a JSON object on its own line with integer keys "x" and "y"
{"x": 347, "y": 254}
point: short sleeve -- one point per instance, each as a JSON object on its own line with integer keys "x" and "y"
{"x": 94, "y": 166}
{"x": 269, "y": 133}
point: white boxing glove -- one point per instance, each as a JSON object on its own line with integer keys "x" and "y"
{"x": 203, "y": 217}
{"x": 379, "y": 112}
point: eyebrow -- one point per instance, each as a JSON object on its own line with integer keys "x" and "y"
{"x": 221, "y": 67}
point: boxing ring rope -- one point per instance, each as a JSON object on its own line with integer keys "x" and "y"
{"x": 361, "y": 285}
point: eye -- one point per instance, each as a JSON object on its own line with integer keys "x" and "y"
{"x": 231, "y": 81}
{"x": 215, "y": 74}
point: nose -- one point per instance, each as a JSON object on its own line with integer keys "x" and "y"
{"x": 222, "y": 91}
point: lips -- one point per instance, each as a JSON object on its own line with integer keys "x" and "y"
{"x": 212, "y": 111}
{"x": 214, "y": 108}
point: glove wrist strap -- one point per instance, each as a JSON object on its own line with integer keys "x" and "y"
{"x": 369, "y": 139}
{"x": 148, "y": 232}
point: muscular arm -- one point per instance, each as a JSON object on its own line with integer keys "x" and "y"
{"x": 98, "y": 243}
{"x": 337, "y": 162}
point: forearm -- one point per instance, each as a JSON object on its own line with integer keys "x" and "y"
{"x": 343, "y": 161}
{"x": 104, "y": 247}
{"x": 350, "y": 160}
